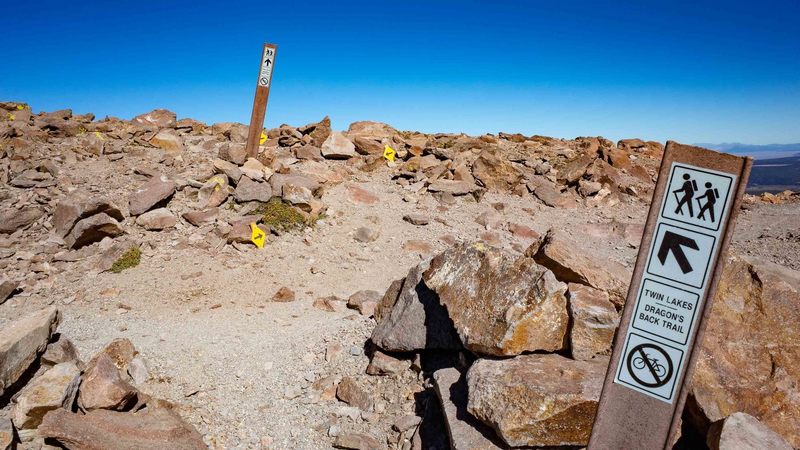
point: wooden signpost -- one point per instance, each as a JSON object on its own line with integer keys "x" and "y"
{"x": 688, "y": 229}
{"x": 265, "y": 70}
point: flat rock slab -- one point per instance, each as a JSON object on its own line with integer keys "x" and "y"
{"x": 742, "y": 431}
{"x": 22, "y": 342}
{"x": 54, "y": 389}
{"x": 156, "y": 191}
{"x": 152, "y": 429}
{"x": 465, "y": 431}
{"x": 7, "y": 288}
{"x": 500, "y": 304}
{"x": 537, "y": 400}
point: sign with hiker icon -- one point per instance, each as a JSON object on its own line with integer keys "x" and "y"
{"x": 697, "y": 196}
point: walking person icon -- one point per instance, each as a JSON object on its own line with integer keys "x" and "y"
{"x": 711, "y": 195}
{"x": 688, "y": 189}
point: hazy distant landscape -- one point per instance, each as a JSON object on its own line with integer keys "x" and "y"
{"x": 776, "y": 167}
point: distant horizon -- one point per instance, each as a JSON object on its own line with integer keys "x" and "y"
{"x": 706, "y": 71}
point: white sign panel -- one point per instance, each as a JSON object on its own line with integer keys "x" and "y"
{"x": 267, "y": 62}
{"x": 679, "y": 265}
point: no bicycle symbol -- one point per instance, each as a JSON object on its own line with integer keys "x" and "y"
{"x": 650, "y": 365}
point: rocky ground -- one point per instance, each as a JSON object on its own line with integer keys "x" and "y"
{"x": 296, "y": 344}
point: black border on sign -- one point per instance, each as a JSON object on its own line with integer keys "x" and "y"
{"x": 724, "y": 205}
{"x": 678, "y": 367}
{"x": 654, "y": 254}
{"x": 639, "y": 303}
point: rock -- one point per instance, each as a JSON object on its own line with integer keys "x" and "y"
{"x": 284, "y": 295}
{"x": 137, "y": 369}
{"x": 93, "y": 229}
{"x": 741, "y": 431}
{"x": 61, "y": 350}
{"x": 500, "y": 305}
{"x": 169, "y": 141}
{"x": 308, "y": 152}
{"x": 69, "y": 211}
{"x": 416, "y": 219}
{"x": 523, "y": 232}
{"x": 453, "y": 187}
{"x": 299, "y": 196}
{"x": 157, "y": 219}
{"x": 7, "y": 289}
{"x": 153, "y": 428}
{"x": 748, "y": 357}
{"x": 12, "y": 220}
{"x": 594, "y": 322}
{"x": 160, "y": 118}
{"x": 364, "y": 301}
{"x": 233, "y": 152}
{"x": 253, "y": 169}
{"x": 416, "y": 320}
{"x": 22, "y": 341}
{"x": 214, "y": 191}
{"x": 494, "y": 171}
{"x": 331, "y": 303}
{"x": 156, "y": 192}
{"x": 352, "y": 393}
{"x": 357, "y": 441}
{"x": 573, "y": 264}
{"x": 103, "y": 388}
{"x": 366, "y": 235}
{"x": 279, "y": 180}
{"x": 6, "y": 434}
{"x": 547, "y": 191}
{"x": 54, "y": 389}
{"x": 383, "y": 364}
{"x": 248, "y": 190}
{"x": 464, "y": 430}
{"x": 419, "y": 246}
{"x": 318, "y": 132}
{"x": 557, "y": 409}
{"x": 361, "y": 196}
{"x": 200, "y": 218}
{"x": 231, "y": 170}
{"x": 337, "y": 146}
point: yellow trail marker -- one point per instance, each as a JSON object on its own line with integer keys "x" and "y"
{"x": 258, "y": 236}
{"x": 100, "y": 135}
{"x": 263, "y": 139}
{"x": 12, "y": 117}
{"x": 388, "y": 153}
{"x": 20, "y": 107}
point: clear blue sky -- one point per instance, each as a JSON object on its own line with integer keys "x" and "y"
{"x": 694, "y": 71}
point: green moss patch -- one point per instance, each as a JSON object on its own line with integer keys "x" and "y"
{"x": 281, "y": 216}
{"x": 131, "y": 258}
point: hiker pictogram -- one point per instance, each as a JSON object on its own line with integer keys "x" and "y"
{"x": 650, "y": 365}
{"x": 710, "y": 195}
{"x": 687, "y": 190}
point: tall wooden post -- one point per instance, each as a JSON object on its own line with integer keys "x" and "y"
{"x": 265, "y": 70}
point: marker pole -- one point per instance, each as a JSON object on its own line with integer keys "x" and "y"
{"x": 263, "y": 83}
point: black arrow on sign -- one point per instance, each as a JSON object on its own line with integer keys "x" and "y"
{"x": 674, "y": 243}
{"x": 267, "y": 62}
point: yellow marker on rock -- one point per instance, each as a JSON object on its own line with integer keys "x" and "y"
{"x": 20, "y": 107}
{"x": 99, "y": 135}
{"x": 12, "y": 117}
{"x": 388, "y": 153}
{"x": 257, "y": 235}
{"x": 263, "y": 139}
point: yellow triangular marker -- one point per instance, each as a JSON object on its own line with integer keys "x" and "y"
{"x": 388, "y": 153}
{"x": 263, "y": 139}
{"x": 100, "y": 135}
{"x": 12, "y": 117}
{"x": 258, "y": 235}
{"x": 20, "y": 107}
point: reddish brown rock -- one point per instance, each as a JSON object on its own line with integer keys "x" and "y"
{"x": 103, "y": 388}
{"x": 160, "y": 118}
{"x": 93, "y": 229}
{"x": 574, "y": 264}
{"x": 383, "y": 364}
{"x": 494, "y": 171}
{"x": 169, "y": 141}
{"x": 453, "y": 187}
{"x": 203, "y": 217}
{"x": 153, "y": 428}
{"x": 557, "y": 409}
{"x": 523, "y": 232}
{"x": 22, "y": 341}
{"x": 69, "y": 211}
{"x": 741, "y": 431}
{"x": 748, "y": 362}
{"x": 594, "y": 321}
{"x": 416, "y": 245}
{"x": 357, "y": 441}
{"x": 361, "y": 196}
{"x": 155, "y": 192}
{"x": 284, "y": 295}
{"x": 353, "y": 393}
{"x": 157, "y": 219}
{"x": 12, "y": 220}
{"x": 56, "y": 388}
{"x": 337, "y": 146}
{"x": 499, "y": 304}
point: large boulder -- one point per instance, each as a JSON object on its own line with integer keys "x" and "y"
{"x": 337, "y": 146}
{"x": 248, "y": 190}
{"x": 103, "y": 387}
{"x": 741, "y": 431}
{"x": 749, "y": 357}
{"x": 157, "y": 191}
{"x": 594, "y": 322}
{"x": 414, "y": 319}
{"x": 153, "y": 428}
{"x": 54, "y": 389}
{"x": 159, "y": 118}
{"x": 22, "y": 341}
{"x": 169, "y": 141}
{"x": 500, "y": 304}
{"x": 572, "y": 263}
{"x": 537, "y": 400}
{"x": 69, "y": 211}
{"x": 93, "y": 229}
{"x": 317, "y": 132}
{"x": 494, "y": 171}
{"x": 12, "y": 220}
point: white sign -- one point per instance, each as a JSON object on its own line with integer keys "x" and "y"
{"x": 267, "y": 62}
{"x": 679, "y": 264}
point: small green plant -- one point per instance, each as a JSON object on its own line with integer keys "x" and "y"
{"x": 280, "y": 215}
{"x": 131, "y": 258}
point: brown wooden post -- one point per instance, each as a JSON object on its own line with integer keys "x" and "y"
{"x": 670, "y": 296}
{"x": 263, "y": 83}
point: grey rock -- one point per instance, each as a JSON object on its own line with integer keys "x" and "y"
{"x": 22, "y": 342}
{"x": 248, "y": 190}
{"x": 155, "y": 192}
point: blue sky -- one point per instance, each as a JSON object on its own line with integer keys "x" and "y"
{"x": 700, "y": 71}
